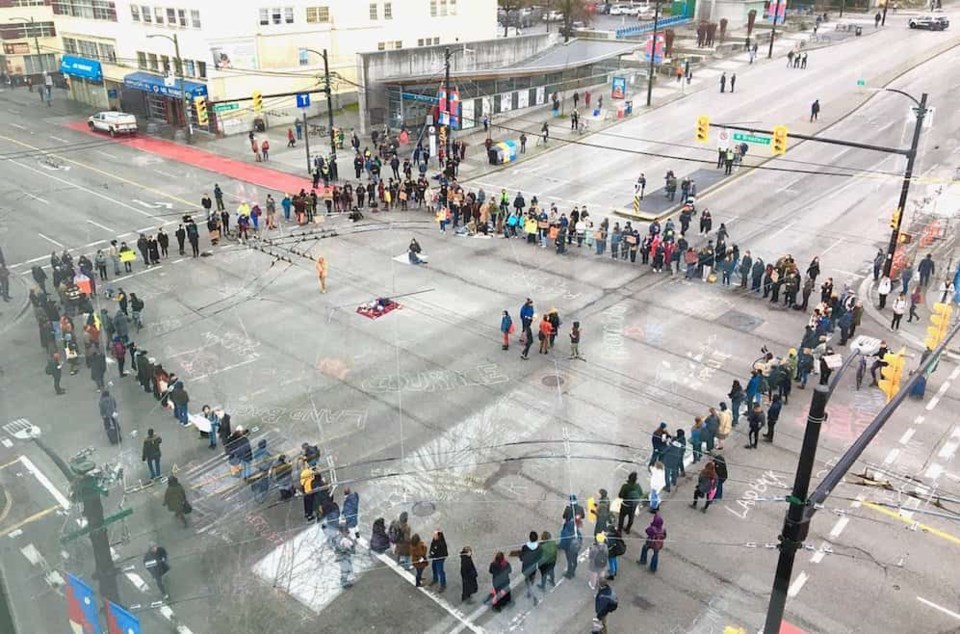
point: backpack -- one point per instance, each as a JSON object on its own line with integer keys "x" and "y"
{"x": 600, "y": 558}
{"x": 393, "y": 533}
{"x": 614, "y": 602}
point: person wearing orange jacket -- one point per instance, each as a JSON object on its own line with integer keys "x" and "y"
{"x": 546, "y": 330}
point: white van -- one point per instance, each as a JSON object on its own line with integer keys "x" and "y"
{"x": 113, "y": 122}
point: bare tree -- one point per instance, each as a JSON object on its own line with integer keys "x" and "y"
{"x": 572, "y": 11}
{"x": 510, "y": 6}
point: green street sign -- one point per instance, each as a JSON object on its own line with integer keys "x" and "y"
{"x": 756, "y": 139}
{"x": 861, "y": 83}
{"x": 225, "y": 107}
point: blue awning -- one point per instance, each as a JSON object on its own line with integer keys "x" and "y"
{"x": 149, "y": 82}
{"x": 81, "y": 67}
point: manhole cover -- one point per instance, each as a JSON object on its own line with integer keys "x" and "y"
{"x": 739, "y": 321}
{"x": 552, "y": 380}
{"x": 424, "y": 509}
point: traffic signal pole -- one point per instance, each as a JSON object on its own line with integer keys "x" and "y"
{"x": 446, "y": 87}
{"x": 773, "y": 29}
{"x": 333, "y": 137}
{"x": 803, "y": 507}
{"x": 921, "y": 111}
{"x": 653, "y": 53}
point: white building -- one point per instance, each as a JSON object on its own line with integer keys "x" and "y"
{"x": 29, "y": 38}
{"x": 231, "y": 49}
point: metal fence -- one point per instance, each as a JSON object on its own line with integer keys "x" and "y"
{"x": 647, "y": 27}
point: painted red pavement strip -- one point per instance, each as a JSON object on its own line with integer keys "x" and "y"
{"x": 231, "y": 168}
{"x": 787, "y": 628}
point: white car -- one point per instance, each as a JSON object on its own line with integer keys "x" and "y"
{"x": 620, "y": 9}
{"x": 553, "y": 16}
{"x": 113, "y": 122}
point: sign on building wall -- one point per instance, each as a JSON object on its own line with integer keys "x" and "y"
{"x": 523, "y": 99}
{"x": 619, "y": 88}
{"x": 469, "y": 115}
{"x": 541, "y": 95}
{"x": 238, "y": 54}
{"x": 506, "y": 102}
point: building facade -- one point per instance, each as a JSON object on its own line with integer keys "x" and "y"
{"x": 30, "y": 42}
{"x": 228, "y": 52}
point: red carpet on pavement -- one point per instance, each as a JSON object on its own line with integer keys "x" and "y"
{"x": 380, "y": 308}
{"x": 253, "y": 173}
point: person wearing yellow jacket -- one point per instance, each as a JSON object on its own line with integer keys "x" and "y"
{"x": 306, "y": 483}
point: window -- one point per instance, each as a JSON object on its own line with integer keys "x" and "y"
{"x": 135, "y": 12}
{"x": 141, "y": 59}
{"x": 190, "y": 68}
{"x": 436, "y": 41}
{"x": 69, "y": 45}
{"x": 443, "y": 8}
{"x": 276, "y": 16}
{"x": 381, "y": 46}
{"x": 27, "y": 29}
{"x": 264, "y": 17}
{"x": 389, "y": 46}
{"x": 158, "y": 14}
{"x": 398, "y": 44}
{"x": 108, "y": 52}
{"x": 182, "y": 17}
{"x": 88, "y": 49}
{"x": 433, "y": 8}
{"x": 27, "y": 3}
{"x": 316, "y": 15}
{"x": 171, "y": 17}
{"x": 152, "y": 61}
{"x": 453, "y": 7}
{"x": 420, "y": 41}
{"x": 202, "y": 69}
{"x": 36, "y": 64}
{"x": 165, "y": 63}
{"x": 387, "y": 10}
{"x": 195, "y": 18}
{"x": 89, "y": 9}
{"x": 374, "y": 13}
{"x": 146, "y": 13}
{"x": 288, "y": 15}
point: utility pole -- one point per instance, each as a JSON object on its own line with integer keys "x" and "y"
{"x": 773, "y": 31}
{"x": 883, "y": 18}
{"x": 446, "y": 87}
{"x": 921, "y": 111}
{"x": 333, "y": 137}
{"x": 796, "y": 525}
{"x": 306, "y": 140}
{"x": 653, "y": 52}
{"x": 184, "y": 97}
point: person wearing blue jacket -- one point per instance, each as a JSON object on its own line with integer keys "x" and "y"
{"x": 506, "y": 327}
{"x": 526, "y": 313}
{"x": 753, "y": 387}
{"x": 351, "y": 508}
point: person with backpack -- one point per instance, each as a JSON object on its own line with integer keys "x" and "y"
{"x": 659, "y": 439}
{"x": 548, "y": 559}
{"x": 500, "y": 570}
{"x": 615, "y": 548}
{"x": 706, "y": 486}
{"x": 136, "y": 306}
{"x": 530, "y": 555}
{"x": 399, "y": 534}
{"x": 151, "y": 453}
{"x": 604, "y": 603}
{"x": 631, "y": 493}
{"x": 598, "y": 556}
{"x": 656, "y": 533}
{"x": 570, "y": 541}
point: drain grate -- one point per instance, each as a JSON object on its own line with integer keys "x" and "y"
{"x": 553, "y": 380}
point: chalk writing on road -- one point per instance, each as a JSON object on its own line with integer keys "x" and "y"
{"x": 769, "y": 484}
{"x": 438, "y": 381}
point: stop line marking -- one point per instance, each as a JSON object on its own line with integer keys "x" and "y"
{"x": 939, "y": 607}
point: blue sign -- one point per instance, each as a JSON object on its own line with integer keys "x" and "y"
{"x": 119, "y": 621}
{"x": 412, "y": 96}
{"x": 303, "y": 100}
{"x": 112, "y": 93}
{"x": 148, "y": 82}
{"x": 81, "y": 67}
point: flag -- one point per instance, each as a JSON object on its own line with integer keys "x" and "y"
{"x": 119, "y": 621}
{"x": 449, "y": 116}
{"x": 81, "y": 607}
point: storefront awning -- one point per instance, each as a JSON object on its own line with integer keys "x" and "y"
{"x": 81, "y": 67}
{"x": 157, "y": 84}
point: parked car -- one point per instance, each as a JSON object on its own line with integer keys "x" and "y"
{"x": 932, "y": 22}
{"x": 622, "y": 9}
{"x": 113, "y": 122}
{"x": 553, "y": 16}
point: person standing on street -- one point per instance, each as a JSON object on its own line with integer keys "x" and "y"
{"x": 773, "y": 415}
{"x": 575, "y": 342}
{"x": 180, "y": 400}
{"x": 916, "y": 298}
{"x": 656, "y": 534}
{"x": 899, "y": 307}
{"x": 548, "y": 559}
{"x": 598, "y": 556}
{"x": 815, "y": 111}
{"x": 723, "y": 82}
{"x": 163, "y": 240}
{"x": 438, "y": 558}
{"x": 155, "y": 561}
{"x": 631, "y": 494}
{"x": 321, "y": 267}
{"x": 55, "y": 371}
{"x": 181, "y": 236}
{"x": 468, "y": 575}
{"x": 530, "y": 554}
{"x": 344, "y": 546}
{"x": 733, "y": 81}
{"x": 927, "y": 269}
{"x": 883, "y": 289}
{"x": 175, "y": 499}
{"x": 108, "y": 413}
{"x": 151, "y": 453}
{"x": 506, "y": 328}
{"x": 706, "y": 486}
{"x": 756, "y": 420}
{"x": 604, "y": 603}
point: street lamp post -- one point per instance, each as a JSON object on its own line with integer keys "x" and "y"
{"x": 653, "y": 51}
{"x": 921, "y": 111}
{"x": 184, "y": 99}
{"x": 334, "y": 174}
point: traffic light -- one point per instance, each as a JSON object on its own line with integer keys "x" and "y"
{"x": 257, "y": 101}
{"x": 891, "y": 373}
{"x": 895, "y": 218}
{"x": 200, "y": 105}
{"x": 939, "y": 324}
{"x": 703, "y": 128}
{"x": 778, "y": 144}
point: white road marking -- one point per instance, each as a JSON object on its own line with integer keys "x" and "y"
{"x": 49, "y": 239}
{"x": 907, "y": 435}
{"x": 950, "y": 448}
{"x": 107, "y": 154}
{"x": 35, "y": 197}
{"x": 934, "y": 471}
{"x": 838, "y": 527}
{"x": 918, "y": 420}
{"x": 835, "y": 244}
{"x": 97, "y": 224}
{"x": 939, "y": 607}
{"x": 955, "y": 373}
{"x": 936, "y": 399}
{"x": 56, "y": 138}
{"x": 797, "y": 584}
{"x": 17, "y": 125}
{"x": 781, "y": 230}
{"x": 86, "y": 189}
{"x": 892, "y": 456}
{"x": 7, "y": 443}
{"x": 45, "y": 482}
{"x": 32, "y": 554}
{"x": 137, "y": 581}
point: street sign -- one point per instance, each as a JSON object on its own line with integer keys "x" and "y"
{"x": 303, "y": 100}
{"x": 756, "y": 139}
{"x": 723, "y": 139}
{"x": 861, "y": 83}
{"x": 225, "y": 107}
